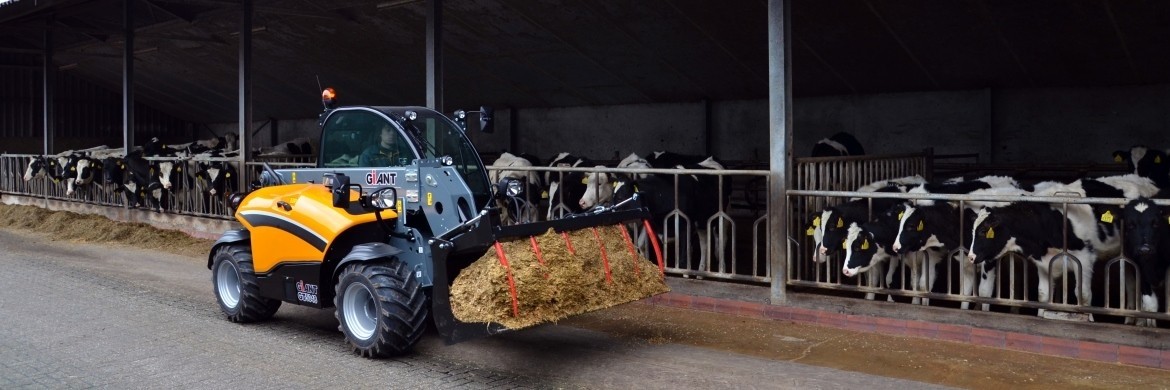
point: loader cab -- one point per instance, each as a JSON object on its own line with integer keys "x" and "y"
{"x": 417, "y": 132}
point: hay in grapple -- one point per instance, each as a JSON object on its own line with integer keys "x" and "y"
{"x": 567, "y": 284}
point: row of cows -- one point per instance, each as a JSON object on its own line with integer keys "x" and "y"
{"x": 151, "y": 175}
{"x": 527, "y": 196}
{"x": 923, "y": 233}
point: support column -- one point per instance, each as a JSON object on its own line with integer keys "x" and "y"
{"x": 128, "y": 76}
{"x": 245, "y": 90}
{"x": 48, "y": 85}
{"x": 779, "y": 141}
{"x": 435, "y": 55}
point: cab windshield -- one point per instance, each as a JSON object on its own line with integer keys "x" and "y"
{"x": 436, "y": 136}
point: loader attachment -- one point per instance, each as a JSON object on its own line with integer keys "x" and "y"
{"x": 491, "y": 278}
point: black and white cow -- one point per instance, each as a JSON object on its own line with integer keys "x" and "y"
{"x": 176, "y": 179}
{"x": 296, "y": 146}
{"x": 868, "y": 248}
{"x": 215, "y": 180}
{"x": 1035, "y": 230}
{"x": 565, "y": 189}
{"x": 1146, "y": 162}
{"x": 1147, "y": 241}
{"x": 517, "y": 193}
{"x": 829, "y": 226}
{"x": 840, "y": 144}
{"x": 41, "y": 166}
{"x": 82, "y": 170}
{"x": 141, "y": 182}
{"x": 934, "y": 225}
{"x": 699, "y": 199}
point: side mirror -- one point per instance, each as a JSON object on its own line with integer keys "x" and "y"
{"x": 339, "y": 186}
{"x": 485, "y": 119}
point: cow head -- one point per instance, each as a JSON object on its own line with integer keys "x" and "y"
{"x": 171, "y": 175}
{"x": 832, "y": 230}
{"x": 114, "y": 172}
{"x": 861, "y": 250}
{"x": 1146, "y": 162}
{"x": 88, "y": 171}
{"x": 35, "y": 168}
{"x": 990, "y": 238}
{"x": 912, "y": 231}
{"x": 217, "y": 178}
{"x": 598, "y": 190}
{"x": 1145, "y": 225}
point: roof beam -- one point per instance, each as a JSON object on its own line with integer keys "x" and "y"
{"x": 901, "y": 43}
{"x": 1007, "y": 45}
{"x": 578, "y": 50}
{"x": 188, "y": 17}
{"x": 644, "y": 47}
{"x": 1121, "y": 40}
{"x": 831, "y": 69}
{"x": 730, "y": 54}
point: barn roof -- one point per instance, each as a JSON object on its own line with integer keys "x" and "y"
{"x": 555, "y": 53}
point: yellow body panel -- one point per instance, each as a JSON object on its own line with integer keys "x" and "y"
{"x": 301, "y": 233}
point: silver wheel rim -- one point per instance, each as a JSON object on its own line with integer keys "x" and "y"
{"x": 360, "y": 311}
{"x": 227, "y": 281}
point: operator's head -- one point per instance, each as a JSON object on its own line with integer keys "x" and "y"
{"x": 388, "y": 136}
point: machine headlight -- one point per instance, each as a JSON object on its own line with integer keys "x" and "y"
{"x": 385, "y": 198}
{"x": 515, "y": 187}
{"x": 447, "y": 160}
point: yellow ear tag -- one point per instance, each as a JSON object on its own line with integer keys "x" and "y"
{"x": 227, "y": 175}
{"x": 900, "y": 214}
{"x": 1117, "y": 158}
{"x": 178, "y": 169}
{"x": 817, "y": 222}
{"x": 919, "y": 225}
{"x": 840, "y": 222}
{"x": 809, "y": 232}
{"x": 585, "y": 180}
{"x": 1157, "y": 159}
{"x": 845, "y": 245}
{"x": 1107, "y": 217}
{"x": 865, "y": 244}
{"x": 72, "y": 169}
{"x": 990, "y": 233}
{"x": 544, "y": 195}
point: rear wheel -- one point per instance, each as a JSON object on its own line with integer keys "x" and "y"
{"x": 381, "y": 308}
{"x": 236, "y": 288}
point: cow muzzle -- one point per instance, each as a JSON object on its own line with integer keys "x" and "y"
{"x": 897, "y": 246}
{"x": 971, "y": 257}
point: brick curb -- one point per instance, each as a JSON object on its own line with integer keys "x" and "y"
{"x": 1045, "y": 345}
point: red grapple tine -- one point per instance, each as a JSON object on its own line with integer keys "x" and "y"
{"x": 511, "y": 280}
{"x": 630, "y": 246}
{"x": 604, "y": 256}
{"x": 569, "y": 243}
{"x": 657, "y": 249}
{"x": 536, "y": 249}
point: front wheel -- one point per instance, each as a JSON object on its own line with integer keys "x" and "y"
{"x": 381, "y": 308}
{"x": 236, "y": 288}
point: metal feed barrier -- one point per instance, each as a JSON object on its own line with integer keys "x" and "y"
{"x": 742, "y": 231}
{"x": 1013, "y": 274}
{"x": 188, "y": 200}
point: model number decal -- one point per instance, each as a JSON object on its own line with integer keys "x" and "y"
{"x": 306, "y": 292}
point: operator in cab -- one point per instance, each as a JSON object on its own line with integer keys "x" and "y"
{"x": 386, "y": 153}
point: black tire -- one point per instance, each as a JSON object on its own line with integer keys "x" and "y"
{"x": 234, "y": 281}
{"x": 381, "y": 308}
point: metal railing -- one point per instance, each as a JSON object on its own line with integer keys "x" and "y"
{"x": 730, "y": 244}
{"x": 1013, "y": 282}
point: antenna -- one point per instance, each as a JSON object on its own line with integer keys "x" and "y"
{"x": 325, "y": 106}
